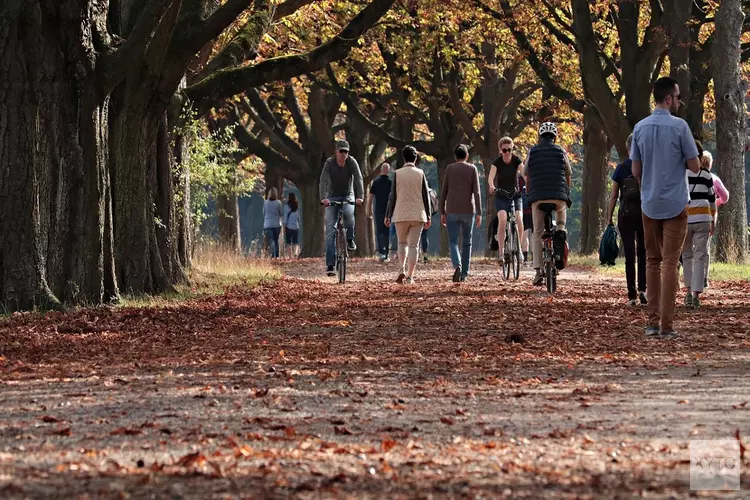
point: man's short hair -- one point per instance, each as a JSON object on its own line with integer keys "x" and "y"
{"x": 505, "y": 140}
{"x": 629, "y": 142}
{"x": 663, "y": 87}
{"x": 409, "y": 154}
{"x": 461, "y": 152}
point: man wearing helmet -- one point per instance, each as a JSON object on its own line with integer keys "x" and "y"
{"x": 548, "y": 173}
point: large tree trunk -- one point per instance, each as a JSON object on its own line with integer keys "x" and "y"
{"x": 363, "y": 229}
{"x": 442, "y": 166}
{"x": 595, "y": 170}
{"x": 313, "y": 237}
{"x": 229, "y": 221}
{"x": 53, "y": 149}
{"x": 729, "y": 92}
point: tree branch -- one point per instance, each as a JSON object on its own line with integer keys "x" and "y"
{"x": 244, "y": 45}
{"x": 292, "y": 104}
{"x": 229, "y": 82}
{"x": 290, "y": 7}
{"x": 377, "y": 130}
{"x": 118, "y": 64}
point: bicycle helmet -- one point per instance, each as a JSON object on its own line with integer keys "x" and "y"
{"x": 548, "y": 128}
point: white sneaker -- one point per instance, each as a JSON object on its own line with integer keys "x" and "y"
{"x": 632, "y": 303}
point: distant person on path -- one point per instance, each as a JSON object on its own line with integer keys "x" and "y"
{"x": 460, "y": 209}
{"x": 273, "y": 212}
{"x": 380, "y": 191}
{"x": 722, "y": 196}
{"x": 701, "y": 225}
{"x": 503, "y": 183}
{"x": 548, "y": 177}
{"x": 291, "y": 226}
{"x": 662, "y": 147}
{"x": 340, "y": 180}
{"x": 424, "y": 241}
{"x": 409, "y": 209}
{"x": 630, "y": 224}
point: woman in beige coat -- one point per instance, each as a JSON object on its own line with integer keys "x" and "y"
{"x": 408, "y": 208}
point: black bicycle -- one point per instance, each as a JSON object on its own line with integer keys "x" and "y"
{"x": 512, "y": 245}
{"x": 548, "y": 248}
{"x": 342, "y": 249}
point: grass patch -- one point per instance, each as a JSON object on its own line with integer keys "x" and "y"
{"x": 720, "y": 271}
{"x": 214, "y": 269}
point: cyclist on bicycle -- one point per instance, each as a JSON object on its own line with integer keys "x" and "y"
{"x": 548, "y": 175}
{"x": 341, "y": 180}
{"x": 503, "y": 183}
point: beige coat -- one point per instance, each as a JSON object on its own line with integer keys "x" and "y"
{"x": 409, "y": 196}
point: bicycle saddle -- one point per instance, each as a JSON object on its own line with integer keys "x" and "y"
{"x": 547, "y": 207}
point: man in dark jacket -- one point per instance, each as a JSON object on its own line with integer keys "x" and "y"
{"x": 548, "y": 175}
{"x": 380, "y": 191}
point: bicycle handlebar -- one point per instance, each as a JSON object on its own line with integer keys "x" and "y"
{"x": 339, "y": 203}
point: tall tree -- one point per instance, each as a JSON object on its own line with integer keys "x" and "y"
{"x": 731, "y": 129}
{"x": 86, "y": 90}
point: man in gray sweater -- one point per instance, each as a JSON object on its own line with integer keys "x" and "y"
{"x": 460, "y": 209}
{"x": 341, "y": 180}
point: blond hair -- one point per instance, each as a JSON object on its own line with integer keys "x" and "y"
{"x": 707, "y": 160}
{"x": 273, "y": 194}
{"x": 505, "y": 140}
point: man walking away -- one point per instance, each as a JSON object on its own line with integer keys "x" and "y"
{"x": 380, "y": 190}
{"x": 340, "y": 180}
{"x": 460, "y": 209}
{"x": 662, "y": 146}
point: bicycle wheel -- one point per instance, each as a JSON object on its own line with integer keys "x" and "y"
{"x": 341, "y": 256}
{"x": 506, "y": 262}
{"x": 515, "y": 256}
{"x": 548, "y": 276}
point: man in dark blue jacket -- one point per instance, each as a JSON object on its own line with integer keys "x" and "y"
{"x": 548, "y": 173}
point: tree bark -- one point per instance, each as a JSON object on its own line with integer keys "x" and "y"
{"x": 313, "y": 236}
{"x": 229, "y": 222}
{"x": 729, "y": 92}
{"x": 53, "y": 149}
{"x": 595, "y": 170}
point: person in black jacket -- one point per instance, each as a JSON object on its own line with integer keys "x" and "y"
{"x": 548, "y": 174}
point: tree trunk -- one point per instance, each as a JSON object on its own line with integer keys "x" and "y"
{"x": 442, "y": 166}
{"x": 729, "y": 92}
{"x": 274, "y": 179}
{"x": 363, "y": 229}
{"x": 595, "y": 170}
{"x": 181, "y": 181}
{"x": 229, "y": 222}
{"x": 489, "y": 204}
{"x": 313, "y": 236}
{"x": 53, "y": 149}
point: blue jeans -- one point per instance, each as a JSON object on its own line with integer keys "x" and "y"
{"x": 464, "y": 223}
{"x": 332, "y": 217}
{"x": 272, "y": 235}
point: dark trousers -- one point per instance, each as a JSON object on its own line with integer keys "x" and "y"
{"x": 425, "y": 242}
{"x": 633, "y": 242}
{"x": 382, "y": 234}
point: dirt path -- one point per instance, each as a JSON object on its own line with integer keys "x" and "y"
{"x": 308, "y": 389}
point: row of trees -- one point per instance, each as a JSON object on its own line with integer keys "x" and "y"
{"x": 434, "y": 75}
{"x": 94, "y": 178}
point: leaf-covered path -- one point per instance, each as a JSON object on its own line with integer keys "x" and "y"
{"x": 305, "y": 388}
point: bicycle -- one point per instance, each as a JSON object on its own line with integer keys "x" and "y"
{"x": 512, "y": 251}
{"x": 548, "y": 248}
{"x": 342, "y": 249}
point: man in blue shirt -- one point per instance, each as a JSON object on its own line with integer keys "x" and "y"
{"x": 662, "y": 149}
{"x": 380, "y": 191}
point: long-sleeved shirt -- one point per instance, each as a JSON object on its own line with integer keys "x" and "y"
{"x": 460, "y": 190}
{"x": 722, "y": 194}
{"x": 702, "y": 206}
{"x": 272, "y": 213}
{"x": 341, "y": 182}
